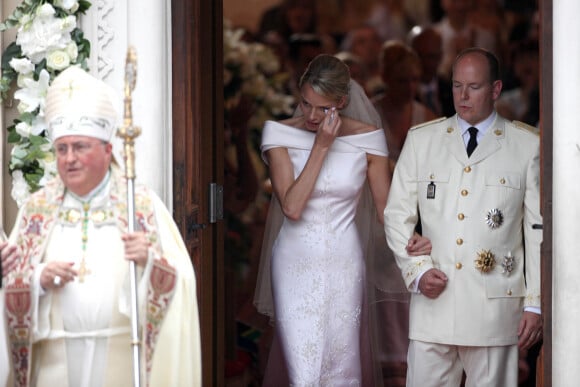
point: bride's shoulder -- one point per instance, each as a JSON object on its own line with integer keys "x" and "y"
{"x": 351, "y": 126}
{"x": 295, "y": 122}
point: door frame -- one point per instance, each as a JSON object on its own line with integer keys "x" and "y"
{"x": 198, "y": 160}
{"x": 197, "y": 94}
{"x": 544, "y": 374}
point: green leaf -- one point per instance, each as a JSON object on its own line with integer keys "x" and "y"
{"x": 37, "y": 140}
{"x": 12, "y": 51}
{"x": 83, "y": 6}
{"x": 34, "y": 154}
{"x": 39, "y": 67}
{"x": 25, "y": 7}
{"x": 13, "y": 136}
{"x": 28, "y": 117}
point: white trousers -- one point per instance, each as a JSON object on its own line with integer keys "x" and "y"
{"x": 440, "y": 365}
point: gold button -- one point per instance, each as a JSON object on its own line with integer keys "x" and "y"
{"x": 460, "y": 216}
{"x": 502, "y": 180}
{"x": 467, "y": 169}
{"x": 449, "y": 130}
{"x": 458, "y": 265}
{"x": 509, "y": 292}
{"x": 459, "y": 241}
{"x": 498, "y": 132}
{"x": 464, "y": 192}
{"x": 431, "y": 176}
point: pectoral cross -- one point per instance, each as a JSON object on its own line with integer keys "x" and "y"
{"x": 83, "y": 271}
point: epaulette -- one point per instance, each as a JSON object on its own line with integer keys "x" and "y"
{"x": 435, "y": 121}
{"x": 528, "y": 127}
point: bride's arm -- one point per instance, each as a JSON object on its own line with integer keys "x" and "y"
{"x": 293, "y": 194}
{"x": 379, "y": 179}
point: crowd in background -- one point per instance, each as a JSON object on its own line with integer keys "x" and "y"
{"x": 400, "y": 51}
{"x": 298, "y": 30}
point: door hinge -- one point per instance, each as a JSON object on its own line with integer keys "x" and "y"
{"x": 216, "y": 202}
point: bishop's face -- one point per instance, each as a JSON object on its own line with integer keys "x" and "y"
{"x": 82, "y": 162}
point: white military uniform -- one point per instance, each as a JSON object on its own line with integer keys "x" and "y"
{"x": 475, "y": 210}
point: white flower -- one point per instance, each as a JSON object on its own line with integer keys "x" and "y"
{"x": 46, "y": 33}
{"x": 33, "y": 94}
{"x": 253, "y": 70}
{"x": 38, "y": 126}
{"x": 57, "y": 60}
{"x": 255, "y": 86}
{"x": 48, "y": 163}
{"x": 47, "y": 46}
{"x": 265, "y": 59}
{"x": 72, "y": 50}
{"x": 23, "y": 129}
{"x": 20, "y": 190}
{"x": 22, "y": 66}
{"x": 25, "y": 19}
{"x": 69, "y": 5}
{"x": 279, "y": 103}
{"x": 68, "y": 24}
{"x": 23, "y": 77}
{"x": 17, "y": 154}
{"x": 45, "y": 11}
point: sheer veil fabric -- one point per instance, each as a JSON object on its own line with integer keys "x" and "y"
{"x": 382, "y": 273}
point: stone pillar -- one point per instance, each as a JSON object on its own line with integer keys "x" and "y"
{"x": 111, "y": 26}
{"x": 566, "y": 195}
{"x": 7, "y": 114}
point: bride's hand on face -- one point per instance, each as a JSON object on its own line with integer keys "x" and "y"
{"x": 329, "y": 128}
{"x": 419, "y": 245}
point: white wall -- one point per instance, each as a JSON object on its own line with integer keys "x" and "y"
{"x": 566, "y": 195}
{"x": 112, "y": 26}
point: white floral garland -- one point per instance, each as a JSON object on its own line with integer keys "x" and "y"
{"x": 252, "y": 69}
{"x": 47, "y": 42}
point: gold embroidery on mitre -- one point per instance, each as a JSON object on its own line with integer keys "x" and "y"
{"x": 485, "y": 261}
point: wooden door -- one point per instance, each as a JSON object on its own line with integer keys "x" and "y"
{"x": 198, "y": 161}
{"x": 544, "y": 369}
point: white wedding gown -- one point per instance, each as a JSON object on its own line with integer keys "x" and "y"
{"x": 318, "y": 270}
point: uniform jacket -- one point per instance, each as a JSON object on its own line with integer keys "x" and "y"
{"x": 481, "y": 215}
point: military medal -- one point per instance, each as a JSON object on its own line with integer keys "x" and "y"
{"x": 485, "y": 261}
{"x": 431, "y": 191}
{"x": 494, "y": 218}
{"x": 509, "y": 261}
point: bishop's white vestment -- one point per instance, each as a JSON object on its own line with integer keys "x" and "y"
{"x": 79, "y": 335}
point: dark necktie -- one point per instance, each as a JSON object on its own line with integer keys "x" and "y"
{"x": 472, "y": 144}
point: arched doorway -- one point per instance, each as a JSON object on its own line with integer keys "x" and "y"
{"x": 198, "y": 160}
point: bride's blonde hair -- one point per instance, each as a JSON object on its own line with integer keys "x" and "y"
{"x": 328, "y": 76}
